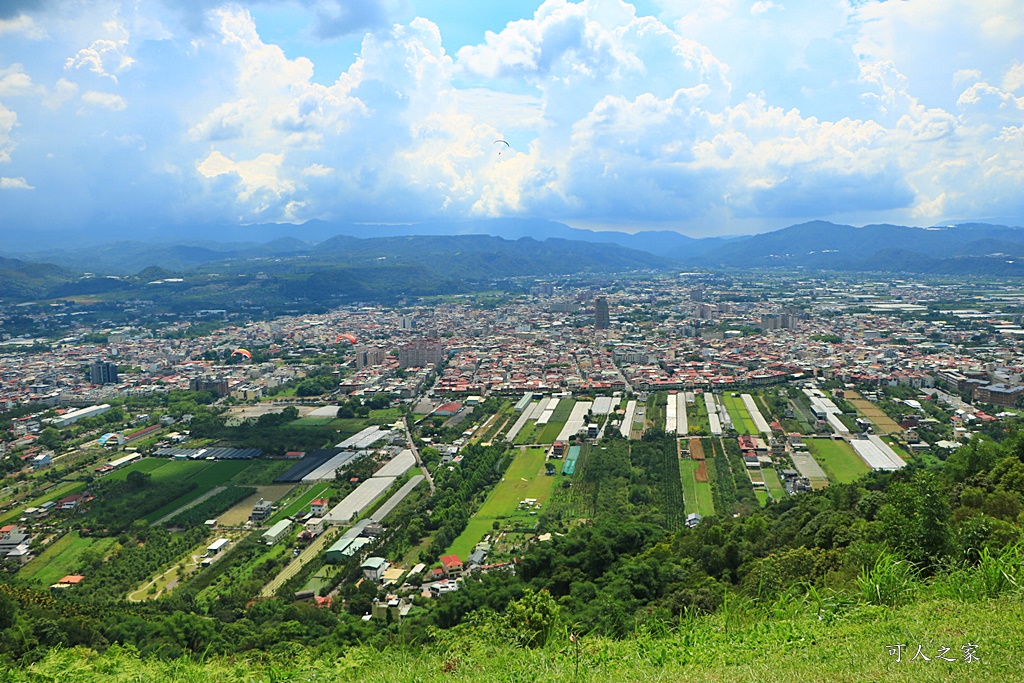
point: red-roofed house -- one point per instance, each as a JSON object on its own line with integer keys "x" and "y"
{"x": 318, "y": 507}
{"x": 452, "y": 566}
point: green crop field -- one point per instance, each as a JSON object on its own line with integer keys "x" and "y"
{"x": 63, "y": 557}
{"x": 525, "y": 478}
{"x": 179, "y": 470}
{"x": 219, "y": 472}
{"x": 696, "y": 495}
{"x": 775, "y": 487}
{"x": 762, "y": 496}
{"x": 176, "y": 503}
{"x": 146, "y": 466}
{"x": 837, "y": 459}
{"x": 739, "y": 414}
{"x": 550, "y": 432}
{"x": 301, "y": 503}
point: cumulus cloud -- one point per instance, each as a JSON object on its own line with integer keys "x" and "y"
{"x": 14, "y": 184}
{"x": 107, "y": 100}
{"x": 104, "y": 57}
{"x": 14, "y": 81}
{"x": 21, "y": 24}
{"x": 707, "y": 113}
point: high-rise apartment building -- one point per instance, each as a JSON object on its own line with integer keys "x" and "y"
{"x": 103, "y": 372}
{"x": 420, "y": 352}
{"x": 601, "y": 318}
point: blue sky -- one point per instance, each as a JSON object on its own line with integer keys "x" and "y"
{"x": 710, "y": 117}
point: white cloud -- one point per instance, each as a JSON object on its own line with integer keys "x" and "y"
{"x": 762, "y": 6}
{"x": 63, "y": 91}
{"x": 111, "y": 101}
{"x": 707, "y": 113}
{"x": 1013, "y": 80}
{"x": 317, "y": 170}
{"x": 14, "y": 184}
{"x": 14, "y": 81}
{"x": 8, "y": 120}
{"x": 105, "y": 57}
{"x": 24, "y": 25}
{"x": 259, "y": 179}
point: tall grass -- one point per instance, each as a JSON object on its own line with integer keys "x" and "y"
{"x": 889, "y": 582}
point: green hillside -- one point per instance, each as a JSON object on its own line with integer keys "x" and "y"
{"x": 778, "y": 643}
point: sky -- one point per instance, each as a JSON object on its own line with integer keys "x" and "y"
{"x": 709, "y": 117}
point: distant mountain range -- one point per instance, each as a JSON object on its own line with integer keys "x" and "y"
{"x": 319, "y": 261}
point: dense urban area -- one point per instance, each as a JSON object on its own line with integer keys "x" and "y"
{"x": 619, "y": 450}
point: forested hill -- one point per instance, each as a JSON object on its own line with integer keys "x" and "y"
{"x": 336, "y": 271}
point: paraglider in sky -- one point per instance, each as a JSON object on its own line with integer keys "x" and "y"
{"x": 502, "y": 142}
{"x": 349, "y": 337}
{"x": 242, "y": 352}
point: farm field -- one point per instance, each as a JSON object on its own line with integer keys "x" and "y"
{"x": 239, "y": 514}
{"x": 203, "y": 472}
{"x": 762, "y": 496}
{"x": 697, "y": 416}
{"x": 877, "y": 416}
{"x": 178, "y": 502}
{"x": 775, "y": 487}
{"x": 301, "y": 503}
{"x": 696, "y": 494}
{"x": 525, "y": 434}
{"x": 558, "y": 420}
{"x": 63, "y": 557}
{"x": 900, "y": 450}
{"x": 738, "y": 412}
{"x": 146, "y": 466}
{"x": 525, "y": 478}
{"x": 837, "y": 459}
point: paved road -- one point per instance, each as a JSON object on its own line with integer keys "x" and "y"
{"x": 416, "y": 453}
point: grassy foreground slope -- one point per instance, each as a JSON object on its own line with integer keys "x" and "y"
{"x": 779, "y": 644}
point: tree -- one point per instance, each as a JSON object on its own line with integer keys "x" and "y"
{"x": 49, "y": 438}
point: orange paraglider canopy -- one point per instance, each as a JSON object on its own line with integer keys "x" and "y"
{"x": 349, "y": 337}
{"x": 242, "y": 352}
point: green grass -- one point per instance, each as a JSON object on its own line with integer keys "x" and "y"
{"x": 550, "y": 432}
{"x": 503, "y": 502}
{"x": 696, "y": 495}
{"x": 301, "y": 503}
{"x": 62, "y": 558}
{"x": 220, "y": 472}
{"x": 840, "y": 464}
{"x": 261, "y": 472}
{"x": 741, "y": 419}
{"x": 775, "y": 487}
{"x": 526, "y": 434}
{"x": 146, "y": 466}
{"x": 780, "y": 642}
{"x": 762, "y": 496}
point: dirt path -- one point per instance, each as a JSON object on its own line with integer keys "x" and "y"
{"x": 212, "y": 492}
